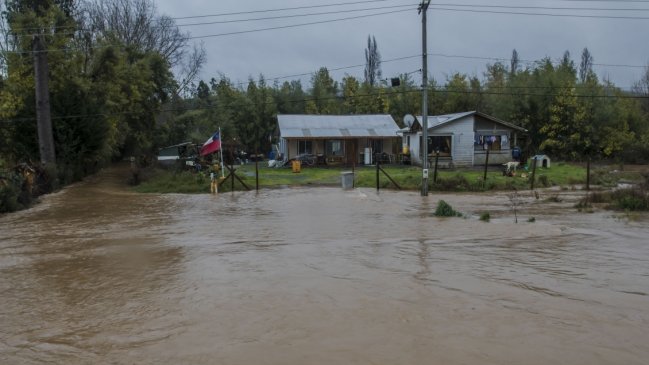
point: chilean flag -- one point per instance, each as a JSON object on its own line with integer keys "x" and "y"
{"x": 211, "y": 145}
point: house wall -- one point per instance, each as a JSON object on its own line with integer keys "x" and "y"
{"x": 462, "y": 144}
{"x": 495, "y": 157}
{"x": 463, "y": 132}
{"x": 290, "y": 147}
{"x": 484, "y": 126}
{"x": 414, "y": 148}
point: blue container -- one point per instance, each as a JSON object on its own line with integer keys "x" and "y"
{"x": 516, "y": 154}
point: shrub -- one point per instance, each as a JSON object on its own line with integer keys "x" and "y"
{"x": 445, "y": 210}
{"x": 10, "y": 193}
{"x": 531, "y": 219}
{"x": 485, "y": 217}
{"x": 453, "y": 183}
{"x": 631, "y": 199}
{"x": 543, "y": 180}
{"x": 8, "y": 199}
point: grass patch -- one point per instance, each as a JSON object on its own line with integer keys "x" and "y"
{"x": 168, "y": 181}
{"x": 485, "y": 217}
{"x": 408, "y": 177}
{"x": 632, "y": 199}
{"x": 445, "y": 210}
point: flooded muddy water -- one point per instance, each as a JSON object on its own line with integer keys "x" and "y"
{"x": 97, "y": 274}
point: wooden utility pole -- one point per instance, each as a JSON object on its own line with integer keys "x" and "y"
{"x": 41, "y": 78}
{"x": 423, "y": 8}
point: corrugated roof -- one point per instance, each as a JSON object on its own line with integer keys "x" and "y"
{"x": 435, "y": 121}
{"x": 336, "y": 126}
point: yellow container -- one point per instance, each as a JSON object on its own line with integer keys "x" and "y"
{"x": 296, "y": 165}
{"x": 406, "y": 150}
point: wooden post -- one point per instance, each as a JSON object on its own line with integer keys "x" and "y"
{"x": 376, "y": 157}
{"x": 588, "y": 174}
{"x": 257, "y": 171}
{"x": 435, "y": 170}
{"x": 231, "y": 171}
{"x": 486, "y": 163}
{"x": 533, "y": 173}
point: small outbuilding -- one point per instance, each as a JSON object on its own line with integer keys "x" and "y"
{"x": 542, "y": 161}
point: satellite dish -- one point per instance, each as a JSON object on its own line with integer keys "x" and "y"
{"x": 409, "y": 119}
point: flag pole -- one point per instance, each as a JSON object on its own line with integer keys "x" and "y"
{"x": 222, "y": 165}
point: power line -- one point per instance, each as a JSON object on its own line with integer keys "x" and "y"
{"x": 297, "y": 25}
{"x": 234, "y": 21}
{"x": 525, "y": 61}
{"x": 336, "y": 69}
{"x": 244, "y": 31}
{"x": 536, "y": 7}
{"x": 295, "y": 15}
{"x": 357, "y": 96}
{"x": 374, "y": 8}
{"x": 543, "y": 14}
{"x": 279, "y": 9}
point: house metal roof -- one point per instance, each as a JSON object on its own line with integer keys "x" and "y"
{"x": 435, "y": 121}
{"x": 337, "y": 126}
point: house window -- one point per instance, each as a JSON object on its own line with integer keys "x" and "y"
{"x": 304, "y": 147}
{"x": 443, "y": 144}
{"x": 334, "y": 147}
{"x": 493, "y": 142}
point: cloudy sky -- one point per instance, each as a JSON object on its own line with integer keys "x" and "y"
{"x": 464, "y": 35}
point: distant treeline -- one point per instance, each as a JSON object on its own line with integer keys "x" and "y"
{"x": 569, "y": 112}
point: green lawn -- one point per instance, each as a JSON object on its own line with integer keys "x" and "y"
{"x": 408, "y": 177}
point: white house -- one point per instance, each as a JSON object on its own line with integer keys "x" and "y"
{"x": 338, "y": 138}
{"x": 462, "y": 139}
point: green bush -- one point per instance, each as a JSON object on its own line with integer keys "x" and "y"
{"x": 452, "y": 183}
{"x": 10, "y": 193}
{"x": 631, "y": 199}
{"x": 485, "y": 217}
{"x": 544, "y": 181}
{"x": 8, "y": 199}
{"x": 445, "y": 210}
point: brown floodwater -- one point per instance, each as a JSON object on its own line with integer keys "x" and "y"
{"x": 97, "y": 274}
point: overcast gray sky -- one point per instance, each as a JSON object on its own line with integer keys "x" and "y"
{"x": 466, "y": 33}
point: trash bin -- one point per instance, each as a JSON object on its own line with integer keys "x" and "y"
{"x": 347, "y": 178}
{"x": 296, "y": 165}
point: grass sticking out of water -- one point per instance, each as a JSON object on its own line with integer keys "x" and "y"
{"x": 446, "y": 210}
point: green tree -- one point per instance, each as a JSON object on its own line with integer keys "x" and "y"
{"x": 323, "y": 94}
{"x": 372, "y": 62}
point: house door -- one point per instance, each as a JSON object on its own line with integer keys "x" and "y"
{"x": 351, "y": 151}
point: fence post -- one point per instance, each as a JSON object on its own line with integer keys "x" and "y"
{"x": 533, "y": 172}
{"x": 486, "y": 163}
{"x": 376, "y": 157}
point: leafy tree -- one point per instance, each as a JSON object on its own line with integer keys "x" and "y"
{"x": 323, "y": 94}
{"x": 290, "y": 97}
{"x": 350, "y": 89}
